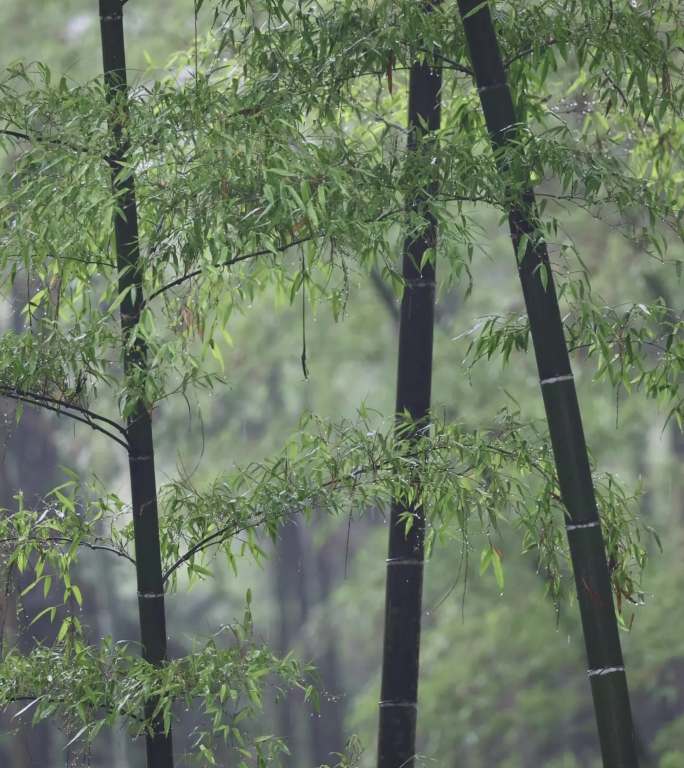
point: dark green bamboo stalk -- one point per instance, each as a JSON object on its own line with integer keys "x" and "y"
{"x": 404, "y": 589}
{"x": 139, "y": 425}
{"x": 592, "y": 577}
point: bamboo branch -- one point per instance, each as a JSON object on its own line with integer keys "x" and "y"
{"x": 213, "y": 539}
{"x": 20, "y": 136}
{"x": 67, "y": 540}
{"x": 66, "y": 404}
{"x": 229, "y": 263}
{"x": 64, "y": 408}
{"x": 527, "y": 51}
{"x": 455, "y": 65}
{"x": 231, "y": 529}
{"x": 255, "y": 254}
{"x": 61, "y": 700}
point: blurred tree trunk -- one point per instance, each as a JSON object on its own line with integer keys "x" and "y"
{"x": 292, "y": 599}
{"x": 677, "y": 443}
{"x": 29, "y": 464}
{"x": 327, "y": 737}
{"x": 660, "y": 290}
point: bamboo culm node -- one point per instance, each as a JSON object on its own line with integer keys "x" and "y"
{"x": 556, "y": 379}
{"x": 604, "y": 671}
{"x": 582, "y": 526}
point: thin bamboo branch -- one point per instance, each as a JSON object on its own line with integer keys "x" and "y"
{"x": 255, "y": 254}
{"x": 20, "y": 136}
{"x": 229, "y": 263}
{"x": 60, "y": 408}
{"x": 60, "y": 700}
{"x": 67, "y": 540}
{"x": 217, "y": 537}
{"x": 527, "y": 51}
{"x": 455, "y": 65}
{"x": 61, "y": 402}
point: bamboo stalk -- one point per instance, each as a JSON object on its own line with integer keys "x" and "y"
{"x": 150, "y": 582}
{"x": 404, "y": 587}
{"x": 592, "y": 576}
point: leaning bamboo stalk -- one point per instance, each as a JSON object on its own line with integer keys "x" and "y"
{"x": 592, "y": 576}
{"x": 150, "y": 582}
{"x": 404, "y": 587}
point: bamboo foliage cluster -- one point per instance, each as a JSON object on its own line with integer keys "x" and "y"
{"x": 93, "y": 687}
{"x": 638, "y": 346}
{"x": 142, "y": 217}
{"x": 465, "y": 480}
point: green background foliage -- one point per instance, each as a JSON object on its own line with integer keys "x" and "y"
{"x": 502, "y": 660}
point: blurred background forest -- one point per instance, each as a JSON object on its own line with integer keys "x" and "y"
{"x": 501, "y": 669}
